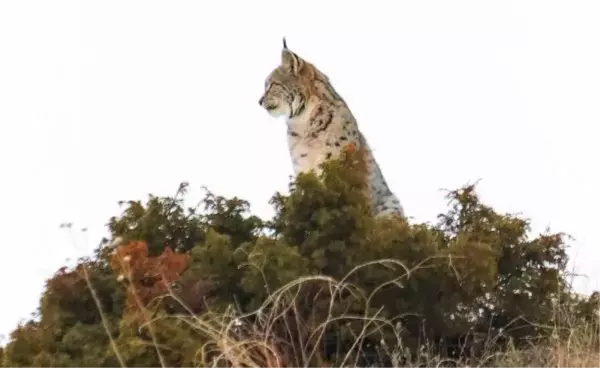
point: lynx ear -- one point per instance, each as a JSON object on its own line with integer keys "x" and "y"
{"x": 289, "y": 60}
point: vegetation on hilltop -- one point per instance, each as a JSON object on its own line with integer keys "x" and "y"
{"x": 322, "y": 283}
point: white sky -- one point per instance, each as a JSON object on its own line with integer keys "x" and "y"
{"x": 103, "y": 101}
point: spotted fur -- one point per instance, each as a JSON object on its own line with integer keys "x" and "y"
{"x": 320, "y": 124}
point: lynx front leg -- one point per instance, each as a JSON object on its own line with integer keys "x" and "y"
{"x": 308, "y": 161}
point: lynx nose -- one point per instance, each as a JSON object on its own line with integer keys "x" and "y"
{"x": 261, "y": 100}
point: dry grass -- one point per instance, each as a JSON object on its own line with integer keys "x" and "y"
{"x": 274, "y": 336}
{"x": 576, "y": 351}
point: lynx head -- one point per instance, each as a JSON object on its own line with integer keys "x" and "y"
{"x": 288, "y": 87}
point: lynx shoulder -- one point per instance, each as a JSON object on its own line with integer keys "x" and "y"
{"x": 319, "y": 124}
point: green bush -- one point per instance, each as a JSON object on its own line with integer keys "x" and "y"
{"x": 322, "y": 282}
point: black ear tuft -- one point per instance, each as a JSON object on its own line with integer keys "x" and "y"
{"x": 284, "y": 44}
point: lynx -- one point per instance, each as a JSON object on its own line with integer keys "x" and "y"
{"x": 319, "y": 124}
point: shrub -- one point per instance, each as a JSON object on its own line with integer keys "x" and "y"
{"x": 322, "y": 282}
